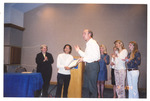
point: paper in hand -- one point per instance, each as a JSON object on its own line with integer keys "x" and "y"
{"x": 73, "y": 63}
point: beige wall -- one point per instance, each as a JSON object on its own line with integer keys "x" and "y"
{"x": 58, "y": 24}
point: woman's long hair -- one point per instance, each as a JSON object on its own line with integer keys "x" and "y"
{"x": 135, "y": 49}
{"x": 105, "y": 49}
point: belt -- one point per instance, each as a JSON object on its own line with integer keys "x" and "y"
{"x": 96, "y": 61}
{"x": 132, "y": 69}
{"x": 93, "y": 62}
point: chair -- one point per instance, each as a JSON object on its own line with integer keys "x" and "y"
{"x": 34, "y": 71}
{"x": 5, "y": 68}
{"x": 20, "y": 70}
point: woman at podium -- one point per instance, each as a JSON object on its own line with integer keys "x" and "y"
{"x": 63, "y": 76}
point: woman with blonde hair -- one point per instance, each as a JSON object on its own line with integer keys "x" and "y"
{"x": 44, "y": 61}
{"x": 112, "y": 66}
{"x": 102, "y": 76}
{"x": 120, "y": 68}
{"x": 133, "y": 61}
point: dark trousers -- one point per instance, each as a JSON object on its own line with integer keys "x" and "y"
{"x": 62, "y": 79}
{"x": 45, "y": 86}
{"x": 46, "y": 82}
{"x": 90, "y": 80}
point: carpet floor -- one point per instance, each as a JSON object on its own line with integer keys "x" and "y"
{"x": 108, "y": 92}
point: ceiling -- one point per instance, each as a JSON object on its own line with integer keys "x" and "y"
{"x": 23, "y": 7}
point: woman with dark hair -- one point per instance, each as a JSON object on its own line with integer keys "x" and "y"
{"x": 63, "y": 77}
{"x": 133, "y": 61}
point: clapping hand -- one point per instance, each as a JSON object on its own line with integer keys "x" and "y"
{"x": 126, "y": 59}
{"x": 113, "y": 55}
{"x": 45, "y": 59}
{"x": 112, "y": 64}
{"x": 105, "y": 59}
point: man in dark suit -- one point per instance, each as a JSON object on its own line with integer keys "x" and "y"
{"x": 44, "y": 61}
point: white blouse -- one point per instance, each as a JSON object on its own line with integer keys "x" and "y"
{"x": 64, "y": 60}
{"x": 113, "y": 66}
{"x": 120, "y": 64}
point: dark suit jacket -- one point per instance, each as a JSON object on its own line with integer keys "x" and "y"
{"x": 44, "y": 67}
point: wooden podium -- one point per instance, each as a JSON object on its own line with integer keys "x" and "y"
{"x": 75, "y": 86}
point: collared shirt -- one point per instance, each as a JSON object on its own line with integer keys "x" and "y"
{"x": 44, "y": 55}
{"x": 120, "y": 64}
{"x": 63, "y": 60}
{"x": 92, "y": 52}
{"x": 135, "y": 61}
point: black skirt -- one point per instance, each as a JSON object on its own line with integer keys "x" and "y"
{"x": 113, "y": 77}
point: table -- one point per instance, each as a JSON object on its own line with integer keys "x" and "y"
{"x": 22, "y": 84}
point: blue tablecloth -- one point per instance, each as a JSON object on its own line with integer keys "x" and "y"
{"x": 22, "y": 84}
